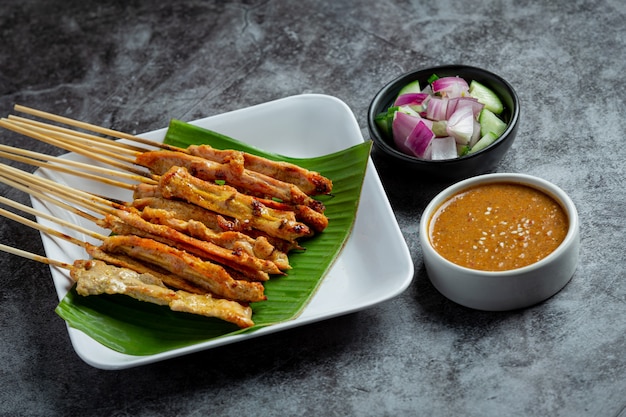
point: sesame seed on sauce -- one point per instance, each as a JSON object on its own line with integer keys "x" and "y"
{"x": 506, "y": 225}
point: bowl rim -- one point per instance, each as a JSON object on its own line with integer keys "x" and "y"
{"x": 538, "y": 183}
{"x": 378, "y": 139}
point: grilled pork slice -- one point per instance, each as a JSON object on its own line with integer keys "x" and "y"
{"x": 314, "y": 219}
{"x": 212, "y": 277}
{"x": 234, "y": 241}
{"x": 248, "y": 182}
{"x": 238, "y": 260}
{"x": 310, "y": 182}
{"x": 120, "y": 228}
{"x": 225, "y": 200}
{"x": 123, "y": 261}
{"x": 145, "y": 197}
{"x": 95, "y": 277}
{"x": 206, "y": 305}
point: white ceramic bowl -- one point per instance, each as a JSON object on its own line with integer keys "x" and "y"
{"x": 503, "y": 290}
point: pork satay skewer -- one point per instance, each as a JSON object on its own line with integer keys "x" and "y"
{"x": 68, "y": 166}
{"x": 158, "y": 162}
{"x": 149, "y": 197}
{"x": 97, "y": 253}
{"x": 231, "y": 240}
{"x": 212, "y": 277}
{"x": 311, "y": 182}
{"x": 183, "y": 264}
{"x": 95, "y": 277}
{"x": 178, "y": 183}
{"x": 314, "y": 220}
{"x": 232, "y": 172}
{"x": 253, "y": 267}
{"x": 225, "y": 199}
{"x": 126, "y": 223}
{"x": 257, "y": 247}
{"x": 307, "y": 209}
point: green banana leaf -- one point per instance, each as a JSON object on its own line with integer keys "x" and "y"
{"x": 138, "y": 328}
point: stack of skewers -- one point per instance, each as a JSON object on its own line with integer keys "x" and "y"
{"x": 205, "y": 227}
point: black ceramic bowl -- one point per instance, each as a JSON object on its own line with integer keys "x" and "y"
{"x": 463, "y": 167}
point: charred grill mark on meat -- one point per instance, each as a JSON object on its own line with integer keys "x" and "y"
{"x": 178, "y": 183}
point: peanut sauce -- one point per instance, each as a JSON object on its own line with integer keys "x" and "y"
{"x": 498, "y": 227}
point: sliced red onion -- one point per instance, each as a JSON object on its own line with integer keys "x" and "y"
{"x": 428, "y": 123}
{"x": 419, "y": 139}
{"x": 402, "y": 126}
{"x": 411, "y": 99}
{"x": 411, "y": 112}
{"x": 476, "y": 134}
{"x": 444, "y": 148}
{"x": 450, "y": 87}
{"x": 461, "y": 124}
{"x": 451, "y": 107}
{"x": 436, "y": 109}
{"x": 455, "y": 103}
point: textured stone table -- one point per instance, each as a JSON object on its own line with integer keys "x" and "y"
{"x": 133, "y": 66}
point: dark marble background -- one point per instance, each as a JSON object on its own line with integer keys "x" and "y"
{"x": 134, "y": 65}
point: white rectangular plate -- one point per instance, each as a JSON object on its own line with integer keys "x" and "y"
{"x": 374, "y": 266}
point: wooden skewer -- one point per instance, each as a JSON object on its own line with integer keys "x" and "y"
{"x": 56, "y": 220}
{"x": 39, "y": 159}
{"x": 34, "y": 257}
{"x": 108, "y": 148}
{"x": 44, "y": 197}
{"x": 88, "y": 136}
{"x": 48, "y": 230}
{"x": 67, "y": 170}
{"x": 82, "y": 150}
{"x": 46, "y": 186}
{"x": 93, "y": 128}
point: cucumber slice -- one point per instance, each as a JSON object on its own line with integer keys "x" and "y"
{"x": 412, "y": 87}
{"x": 439, "y": 128}
{"x": 408, "y": 110}
{"x": 489, "y": 122}
{"x": 384, "y": 120}
{"x": 483, "y": 142}
{"x": 486, "y": 96}
{"x": 462, "y": 150}
{"x": 383, "y": 123}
